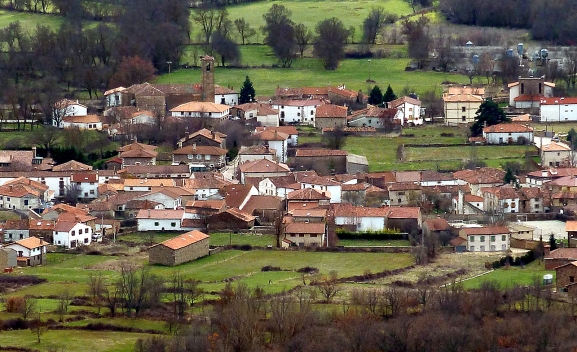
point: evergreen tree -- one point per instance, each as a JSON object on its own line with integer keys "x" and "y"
{"x": 489, "y": 114}
{"x": 552, "y": 242}
{"x": 510, "y": 177}
{"x": 246, "y": 92}
{"x": 572, "y": 138}
{"x": 389, "y": 95}
{"x": 375, "y": 96}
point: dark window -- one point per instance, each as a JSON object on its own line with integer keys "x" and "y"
{"x": 571, "y": 278}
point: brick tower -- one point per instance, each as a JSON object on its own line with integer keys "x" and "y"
{"x": 207, "y": 66}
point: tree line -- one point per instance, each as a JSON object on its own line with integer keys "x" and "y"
{"x": 547, "y": 20}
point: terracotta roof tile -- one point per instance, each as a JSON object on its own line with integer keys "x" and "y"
{"x": 290, "y": 130}
{"x": 492, "y": 230}
{"x": 508, "y": 128}
{"x": 306, "y": 194}
{"x": 201, "y": 106}
{"x": 31, "y": 242}
{"x": 260, "y": 202}
{"x": 563, "y": 253}
{"x": 558, "y": 101}
{"x": 184, "y": 240}
{"x": 438, "y": 224}
{"x": 81, "y": 119}
{"x": 331, "y": 111}
{"x": 263, "y": 166}
{"x": 320, "y": 152}
{"x": 305, "y": 228}
{"x": 160, "y": 214}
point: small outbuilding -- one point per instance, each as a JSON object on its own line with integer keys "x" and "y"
{"x": 8, "y": 258}
{"x": 181, "y": 249}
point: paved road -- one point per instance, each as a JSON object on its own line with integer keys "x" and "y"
{"x": 228, "y": 171}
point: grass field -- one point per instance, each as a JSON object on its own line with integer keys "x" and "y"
{"x": 509, "y": 277}
{"x": 216, "y": 238}
{"x": 29, "y": 21}
{"x": 310, "y": 72}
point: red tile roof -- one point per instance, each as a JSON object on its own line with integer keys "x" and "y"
{"x": 200, "y": 149}
{"x": 483, "y": 175}
{"x": 349, "y": 210}
{"x": 84, "y": 177}
{"x": 290, "y": 130}
{"x": 306, "y": 194}
{"x": 331, "y": 111}
{"x": 259, "y": 202}
{"x": 493, "y": 230}
{"x": 263, "y": 166}
{"x": 31, "y": 242}
{"x": 236, "y": 194}
{"x": 305, "y": 228}
{"x": 508, "y": 128}
{"x": 571, "y": 226}
{"x": 396, "y": 103}
{"x": 558, "y": 101}
{"x": 438, "y": 224}
{"x": 201, "y": 107}
{"x": 529, "y": 97}
{"x": 270, "y": 135}
{"x": 160, "y": 214}
{"x": 404, "y": 212}
{"x": 184, "y": 240}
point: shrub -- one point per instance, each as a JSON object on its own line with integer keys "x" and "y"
{"x": 308, "y": 270}
{"x": 270, "y": 268}
{"x": 447, "y": 134}
{"x": 15, "y": 304}
{"x": 14, "y": 324}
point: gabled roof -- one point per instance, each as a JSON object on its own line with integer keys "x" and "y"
{"x": 223, "y": 90}
{"x": 138, "y": 153}
{"x": 404, "y": 213}
{"x": 212, "y": 135}
{"x": 81, "y": 119}
{"x": 165, "y": 214}
{"x": 431, "y": 176}
{"x": 528, "y": 97}
{"x": 505, "y": 192}
{"x": 64, "y": 103}
{"x": 114, "y": 90}
{"x": 463, "y": 98}
{"x": 306, "y": 194}
{"x": 556, "y": 147}
{"x": 492, "y": 230}
{"x": 201, "y": 107}
{"x": 408, "y": 176}
{"x": 144, "y": 89}
{"x": 331, "y": 111}
{"x": 405, "y": 99}
{"x": 558, "y": 101}
{"x": 305, "y": 228}
{"x": 261, "y": 202}
{"x": 84, "y": 177}
{"x": 342, "y": 91}
{"x": 72, "y": 165}
{"x": 256, "y": 150}
{"x": 290, "y": 130}
{"x": 137, "y": 146}
{"x": 270, "y": 135}
{"x": 471, "y": 198}
{"x": 30, "y": 243}
{"x": 184, "y": 240}
{"x": 236, "y": 194}
{"x": 319, "y": 180}
{"x": 239, "y": 214}
{"x": 349, "y": 210}
{"x": 206, "y": 204}
{"x": 21, "y": 224}
{"x": 438, "y": 224}
{"x": 64, "y": 226}
{"x": 404, "y": 186}
{"x": 263, "y": 166}
{"x": 508, "y": 128}
{"x": 150, "y": 182}
{"x": 483, "y": 175}
{"x": 565, "y": 253}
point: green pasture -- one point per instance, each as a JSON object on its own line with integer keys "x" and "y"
{"x": 29, "y": 21}
{"x": 216, "y": 238}
{"x": 509, "y": 277}
{"x": 309, "y": 13}
{"x": 310, "y": 72}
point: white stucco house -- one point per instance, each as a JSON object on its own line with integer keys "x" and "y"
{"x": 159, "y": 220}
{"x": 486, "y": 239}
{"x": 323, "y": 185}
{"x": 84, "y": 122}
{"x": 72, "y": 234}
{"x": 278, "y": 186}
{"x": 87, "y": 184}
{"x": 225, "y": 96}
{"x": 113, "y": 97}
{"x": 410, "y": 110}
{"x": 168, "y": 199}
{"x": 361, "y": 218}
{"x": 30, "y": 251}
{"x": 275, "y": 140}
{"x": 558, "y": 109}
{"x": 499, "y": 200}
{"x": 201, "y": 109}
{"x": 297, "y": 111}
{"x": 67, "y": 107}
{"x": 508, "y": 133}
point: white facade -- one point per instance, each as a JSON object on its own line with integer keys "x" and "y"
{"x": 143, "y": 118}
{"x": 267, "y": 187}
{"x": 113, "y": 98}
{"x": 213, "y": 115}
{"x": 268, "y": 120}
{"x": 492, "y": 204}
{"x": 159, "y": 197}
{"x": 230, "y": 99}
{"x": 71, "y": 110}
{"x": 370, "y": 121}
{"x": 363, "y": 223}
{"x": 302, "y": 112}
{"x": 409, "y": 113}
{"x": 334, "y": 190}
{"x": 559, "y": 112}
{"x": 22, "y": 251}
{"x": 97, "y": 125}
{"x": 79, "y": 235}
{"x": 506, "y": 138}
{"x": 280, "y": 148}
{"x": 159, "y": 224}
{"x": 488, "y": 243}
{"x": 454, "y": 182}
{"x": 205, "y": 193}
{"x": 88, "y": 190}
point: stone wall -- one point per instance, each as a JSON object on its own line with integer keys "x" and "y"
{"x": 565, "y": 274}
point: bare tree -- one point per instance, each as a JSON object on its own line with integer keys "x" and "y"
{"x": 328, "y": 286}
{"x": 72, "y": 193}
{"x": 96, "y": 289}
{"x": 64, "y": 299}
{"x": 28, "y": 308}
{"x": 244, "y": 29}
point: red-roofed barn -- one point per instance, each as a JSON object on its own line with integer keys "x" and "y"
{"x": 181, "y": 249}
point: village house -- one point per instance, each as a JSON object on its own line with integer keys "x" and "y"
{"x": 67, "y": 107}
{"x": 208, "y": 156}
{"x": 231, "y": 219}
{"x": 466, "y": 204}
{"x": 291, "y": 131}
{"x": 265, "y": 208}
{"x": 86, "y": 183}
{"x": 508, "y": 133}
{"x": 30, "y": 251}
{"x": 181, "y": 249}
{"x": 278, "y": 186}
{"x": 435, "y": 178}
{"x": 461, "y": 108}
{"x": 556, "y": 154}
{"x": 198, "y": 109}
{"x": 410, "y": 110}
{"x": 15, "y": 230}
{"x": 331, "y": 116}
{"x": 558, "y": 109}
{"x": 159, "y": 220}
{"x": 307, "y": 198}
{"x": 499, "y": 200}
{"x": 85, "y": 122}
{"x": 143, "y": 185}
{"x": 262, "y": 168}
{"x": 481, "y": 177}
{"x": 302, "y": 234}
{"x": 405, "y": 219}
{"x": 202, "y": 209}
{"x": 156, "y": 171}
{"x": 274, "y": 140}
{"x": 264, "y": 114}
{"x": 297, "y": 111}
{"x": 340, "y": 95}
{"x": 71, "y": 234}
{"x": 559, "y": 257}
{"x": 532, "y": 200}
{"x": 324, "y": 185}
{"x": 362, "y": 219}
{"x": 565, "y": 278}
{"x": 169, "y": 197}
{"x": 72, "y": 165}
{"x": 21, "y": 197}
{"x": 438, "y": 227}
{"x": 236, "y": 196}
{"x": 486, "y": 239}
{"x": 535, "y": 87}
{"x": 403, "y": 193}
{"x": 256, "y": 152}
{"x": 206, "y": 184}
{"x": 137, "y": 154}
{"x": 225, "y": 96}
{"x": 372, "y": 116}
{"x": 539, "y": 178}
{"x": 571, "y": 228}
{"x": 204, "y": 137}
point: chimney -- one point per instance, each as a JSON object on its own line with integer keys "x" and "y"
{"x": 544, "y": 173}
{"x": 194, "y": 147}
{"x": 33, "y": 152}
{"x": 148, "y": 212}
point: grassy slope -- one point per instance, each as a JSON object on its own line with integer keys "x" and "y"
{"x": 507, "y": 278}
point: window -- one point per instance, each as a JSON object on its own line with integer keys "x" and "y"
{"x": 492, "y": 238}
{"x": 471, "y": 238}
{"x": 207, "y": 157}
{"x": 464, "y": 109}
{"x": 472, "y": 249}
{"x": 298, "y": 114}
{"x": 172, "y": 224}
{"x": 156, "y": 223}
{"x": 73, "y": 233}
{"x": 198, "y": 157}
{"x": 21, "y": 236}
{"x": 463, "y": 118}
{"x": 482, "y": 238}
{"x": 80, "y": 231}
{"x": 401, "y": 193}
{"x": 86, "y": 240}
{"x": 571, "y": 278}
{"x": 91, "y": 191}
{"x": 312, "y": 112}
{"x": 25, "y": 201}
{"x": 370, "y": 121}
{"x": 503, "y": 237}
{"x": 301, "y": 235}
